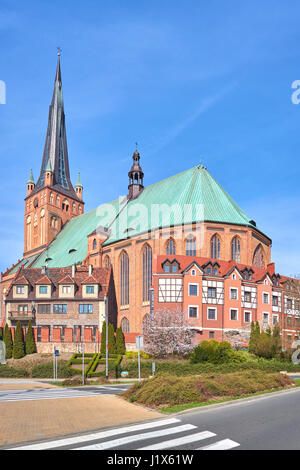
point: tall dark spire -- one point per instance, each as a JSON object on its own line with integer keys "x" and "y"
{"x": 56, "y": 150}
{"x": 136, "y": 177}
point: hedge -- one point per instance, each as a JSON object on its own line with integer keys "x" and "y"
{"x": 46, "y": 370}
{"x": 6, "y": 371}
{"x": 113, "y": 365}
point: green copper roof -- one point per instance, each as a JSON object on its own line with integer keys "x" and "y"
{"x": 78, "y": 183}
{"x": 193, "y": 195}
{"x": 24, "y": 262}
{"x": 30, "y": 179}
{"x": 48, "y": 166}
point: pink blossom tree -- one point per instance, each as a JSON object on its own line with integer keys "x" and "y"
{"x": 167, "y": 332}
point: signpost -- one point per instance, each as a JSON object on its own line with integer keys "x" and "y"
{"x": 107, "y": 346}
{"x": 139, "y": 344}
{"x": 55, "y": 356}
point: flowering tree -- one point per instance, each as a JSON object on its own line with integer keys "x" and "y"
{"x": 238, "y": 338}
{"x": 167, "y": 332}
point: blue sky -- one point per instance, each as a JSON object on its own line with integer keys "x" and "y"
{"x": 189, "y": 80}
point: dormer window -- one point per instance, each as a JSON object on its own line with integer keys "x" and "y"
{"x": 193, "y": 272}
{"x": 208, "y": 271}
{"x": 166, "y": 268}
{"x": 215, "y": 271}
{"x": 90, "y": 289}
{"x": 174, "y": 268}
{"x": 66, "y": 289}
{"x": 43, "y": 289}
{"x": 20, "y": 289}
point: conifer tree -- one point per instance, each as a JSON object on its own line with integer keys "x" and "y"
{"x": 111, "y": 339}
{"x": 103, "y": 338}
{"x": 30, "y": 346}
{"x": 18, "y": 347}
{"x": 120, "y": 342}
{"x": 1, "y": 334}
{"x": 277, "y": 346}
{"x": 8, "y": 342}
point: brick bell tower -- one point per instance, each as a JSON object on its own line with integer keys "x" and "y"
{"x": 52, "y": 201}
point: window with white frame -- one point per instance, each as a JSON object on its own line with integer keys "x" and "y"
{"x": 211, "y": 314}
{"x": 193, "y": 289}
{"x": 247, "y": 317}
{"x": 193, "y": 272}
{"x": 193, "y": 311}
{"x": 211, "y": 292}
{"x": 233, "y": 314}
{"x": 247, "y": 296}
{"x": 233, "y": 293}
{"x": 66, "y": 289}
{"x": 265, "y": 298}
{"x": 20, "y": 289}
{"x": 274, "y": 319}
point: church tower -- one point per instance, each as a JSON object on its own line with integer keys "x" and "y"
{"x": 52, "y": 201}
{"x": 136, "y": 177}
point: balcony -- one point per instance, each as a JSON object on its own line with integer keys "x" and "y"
{"x": 17, "y": 315}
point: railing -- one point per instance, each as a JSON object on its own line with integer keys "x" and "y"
{"x": 17, "y": 315}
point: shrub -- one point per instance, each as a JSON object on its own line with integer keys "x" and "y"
{"x": 30, "y": 347}
{"x": 134, "y": 355}
{"x": 1, "y": 333}
{"x": 171, "y": 390}
{"x": 6, "y": 371}
{"x": 18, "y": 347}
{"x": 111, "y": 339}
{"x": 46, "y": 370}
{"x": 120, "y": 341}
{"x": 8, "y": 342}
{"x": 215, "y": 352}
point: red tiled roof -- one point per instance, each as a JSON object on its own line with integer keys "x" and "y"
{"x": 21, "y": 280}
{"x": 67, "y": 280}
{"x": 90, "y": 280}
{"x": 56, "y": 275}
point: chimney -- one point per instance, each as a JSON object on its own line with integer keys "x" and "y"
{"x": 90, "y": 269}
{"x": 73, "y": 270}
{"x": 43, "y": 270}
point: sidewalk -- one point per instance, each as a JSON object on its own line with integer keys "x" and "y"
{"x": 41, "y": 419}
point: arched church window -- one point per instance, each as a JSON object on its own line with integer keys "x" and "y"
{"x": 28, "y": 232}
{"x": 124, "y": 275}
{"x": 171, "y": 247}
{"x": 147, "y": 272}
{"x": 35, "y": 221}
{"x": 51, "y": 198}
{"x": 190, "y": 246}
{"x": 65, "y": 205}
{"x": 215, "y": 246}
{"x": 125, "y": 325}
{"x": 259, "y": 257}
{"x": 57, "y": 200}
{"x": 94, "y": 244}
{"x": 107, "y": 261}
{"x": 42, "y": 226}
{"x": 79, "y": 210}
{"x": 236, "y": 250}
{"x": 74, "y": 208}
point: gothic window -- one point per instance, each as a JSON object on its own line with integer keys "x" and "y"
{"x": 147, "y": 272}
{"x": 171, "y": 247}
{"x": 124, "y": 271}
{"x": 190, "y": 246}
{"x": 74, "y": 208}
{"x": 94, "y": 244}
{"x": 236, "y": 250}
{"x": 57, "y": 200}
{"x": 258, "y": 257}
{"x": 125, "y": 325}
{"x": 65, "y": 205}
{"x": 51, "y": 198}
{"x": 42, "y": 226}
{"x": 79, "y": 210}
{"x": 28, "y": 232}
{"x": 107, "y": 261}
{"x": 215, "y": 247}
{"x": 35, "y": 222}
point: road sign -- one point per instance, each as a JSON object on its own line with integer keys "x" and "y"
{"x": 56, "y": 352}
{"x": 124, "y": 373}
{"x": 139, "y": 341}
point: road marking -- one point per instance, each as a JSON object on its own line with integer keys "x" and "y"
{"x": 137, "y": 437}
{"x": 180, "y": 441}
{"x": 99, "y": 435}
{"x": 225, "y": 444}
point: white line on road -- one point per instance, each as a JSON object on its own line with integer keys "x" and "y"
{"x": 225, "y": 444}
{"x": 137, "y": 437}
{"x": 180, "y": 441}
{"x": 98, "y": 435}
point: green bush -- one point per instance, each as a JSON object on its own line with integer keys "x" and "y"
{"x": 18, "y": 347}
{"x": 8, "y": 342}
{"x": 215, "y": 352}
{"x": 134, "y": 355}
{"x": 6, "y": 371}
{"x": 30, "y": 347}
{"x": 120, "y": 341}
{"x": 103, "y": 338}
{"x": 46, "y": 370}
{"x": 111, "y": 339}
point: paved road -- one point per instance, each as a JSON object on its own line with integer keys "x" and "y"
{"x": 54, "y": 393}
{"x": 268, "y": 422}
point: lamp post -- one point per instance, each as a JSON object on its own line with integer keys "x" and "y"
{"x": 106, "y": 348}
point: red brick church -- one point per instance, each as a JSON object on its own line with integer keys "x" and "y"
{"x": 181, "y": 243}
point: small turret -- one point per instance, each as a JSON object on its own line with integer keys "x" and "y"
{"x": 30, "y": 183}
{"x": 78, "y": 187}
{"x": 48, "y": 174}
{"x": 136, "y": 177}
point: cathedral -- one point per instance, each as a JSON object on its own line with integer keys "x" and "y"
{"x": 179, "y": 244}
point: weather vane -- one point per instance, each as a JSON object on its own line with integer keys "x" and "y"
{"x": 136, "y": 146}
{"x": 59, "y": 51}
